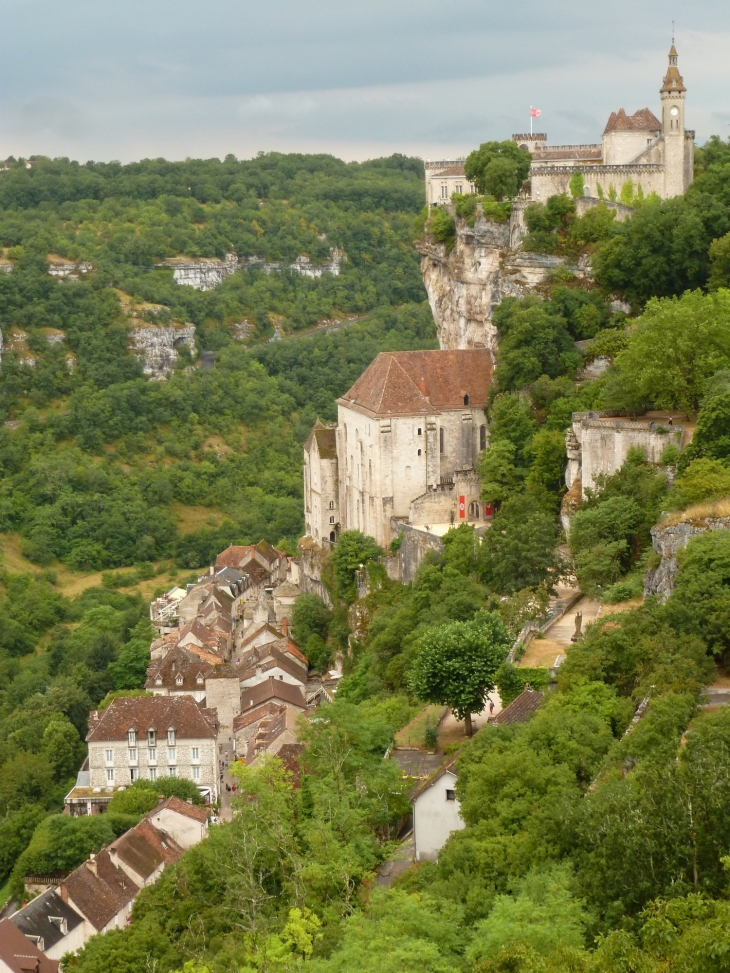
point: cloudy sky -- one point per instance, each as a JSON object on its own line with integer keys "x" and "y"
{"x": 129, "y": 79}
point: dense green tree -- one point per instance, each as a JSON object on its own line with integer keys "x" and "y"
{"x": 456, "y": 664}
{"x": 533, "y": 342}
{"x": 693, "y": 333}
{"x": 701, "y": 479}
{"x": 519, "y": 550}
{"x": 500, "y": 477}
{"x": 498, "y": 168}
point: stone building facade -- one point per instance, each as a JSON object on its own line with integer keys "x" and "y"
{"x": 597, "y": 444}
{"x": 143, "y": 738}
{"x": 656, "y": 154}
{"x": 408, "y": 437}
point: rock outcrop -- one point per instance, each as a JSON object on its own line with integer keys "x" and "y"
{"x": 156, "y": 346}
{"x": 203, "y": 273}
{"x": 484, "y": 266}
{"x": 667, "y": 541}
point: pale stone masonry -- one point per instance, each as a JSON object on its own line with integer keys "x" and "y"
{"x": 407, "y": 441}
{"x": 143, "y": 738}
{"x": 656, "y": 154}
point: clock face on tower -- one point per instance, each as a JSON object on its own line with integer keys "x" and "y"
{"x": 674, "y": 111}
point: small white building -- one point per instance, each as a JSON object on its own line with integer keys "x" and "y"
{"x": 443, "y": 179}
{"x": 436, "y": 813}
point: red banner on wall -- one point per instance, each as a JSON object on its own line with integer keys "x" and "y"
{"x": 462, "y": 507}
{"x": 488, "y": 510}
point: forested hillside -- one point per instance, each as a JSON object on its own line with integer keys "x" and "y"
{"x": 591, "y": 844}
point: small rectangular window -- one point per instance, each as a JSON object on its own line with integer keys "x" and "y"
{"x": 133, "y": 756}
{"x": 110, "y": 756}
{"x": 450, "y": 795}
{"x": 195, "y": 753}
{"x": 132, "y": 738}
{"x": 171, "y": 755}
{"x": 171, "y": 738}
{"x": 172, "y": 772}
{"x": 133, "y": 774}
{"x": 152, "y": 755}
{"x": 442, "y": 439}
{"x": 110, "y": 775}
{"x": 151, "y": 738}
{"x": 153, "y": 773}
{"x": 196, "y": 773}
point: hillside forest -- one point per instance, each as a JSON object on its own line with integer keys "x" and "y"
{"x": 589, "y": 844}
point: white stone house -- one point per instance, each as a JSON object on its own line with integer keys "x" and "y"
{"x": 143, "y": 738}
{"x": 436, "y": 813}
{"x": 443, "y": 179}
{"x": 321, "y": 508}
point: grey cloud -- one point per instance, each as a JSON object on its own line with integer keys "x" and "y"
{"x": 132, "y": 79}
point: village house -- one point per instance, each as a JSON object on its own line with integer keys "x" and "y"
{"x": 436, "y": 813}
{"x": 53, "y": 925}
{"x": 143, "y": 738}
{"x": 182, "y": 672}
{"x": 262, "y": 701}
{"x": 98, "y": 895}
{"x": 18, "y": 954}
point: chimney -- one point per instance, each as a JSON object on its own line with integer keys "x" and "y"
{"x": 285, "y": 625}
{"x": 91, "y": 863}
{"x": 63, "y": 891}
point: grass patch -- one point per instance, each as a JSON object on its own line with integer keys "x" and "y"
{"x": 699, "y": 511}
{"x": 413, "y": 734}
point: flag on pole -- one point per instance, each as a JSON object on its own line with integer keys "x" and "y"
{"x": 535, "y": 113}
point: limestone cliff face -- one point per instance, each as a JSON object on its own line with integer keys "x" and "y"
{"x": 667, "y": 541}
{"x": 484, "y": 266}
{"x": 203, "y": 274}
{"x": 156, "y": 347}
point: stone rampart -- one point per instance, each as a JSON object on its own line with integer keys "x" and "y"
{"x": 311, "y": 566}
{"x": 415, "y": 544}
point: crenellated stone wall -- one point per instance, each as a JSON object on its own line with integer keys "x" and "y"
{"x": 156, "y": 346}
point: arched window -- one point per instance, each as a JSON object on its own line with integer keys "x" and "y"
{"x": 466, "y": 400}
{"x": 420, "y": 431}
{"x": 332, "y": 520}
{"x": 420, "y": 451}
{"x": 473, "y": 511}
{"x": 332, "y": 502}
{"x": 482, "y": 437}
{"x": 333, "y": 537}
{"x": 442, "y": 439}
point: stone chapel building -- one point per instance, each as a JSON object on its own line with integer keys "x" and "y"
{"x": 654, "y": 153}
{"x": 405, "y": 447}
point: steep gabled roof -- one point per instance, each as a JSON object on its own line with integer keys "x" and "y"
{"x": 179, "y": 662}
{"x": 641, "y": 121}
{"x": 520, "y": 709}
{"x": 160, "y": 713}
{"x": 448, "y": 766}
{"x": 326, "y": 439}
{"x": 272, "y": 689}
{"x": 42, "y": 917}
{"x": 193, "y": 811}
{"x": 99, "y": 889}
{"x": 234, "y": 555}
{"x": 19, "y": 954}
{"x": 422, "y": 382}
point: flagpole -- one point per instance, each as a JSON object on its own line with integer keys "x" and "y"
{"x": 530, "y": 119}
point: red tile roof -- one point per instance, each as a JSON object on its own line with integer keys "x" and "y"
{"x": 422, "y": 382}
{"x": 520, "y": 709}
{"x": 160, "y": 713}
{"x": 641, "y": 121}
{"x": 19, "y": 954}
{"x": 181, "y": 807}
{"x": 277, "y": 689}
{"x": 99, "y": 889}
{"x": 234, "y": 556}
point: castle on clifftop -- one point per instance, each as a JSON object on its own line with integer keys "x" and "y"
{"x": 656, "y": 155}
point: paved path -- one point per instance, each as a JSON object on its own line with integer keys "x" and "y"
{"x": 564, "y": 629}
{"x": 226, "y": 796}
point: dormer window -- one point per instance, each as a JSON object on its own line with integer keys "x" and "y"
{"x": 200, "y": 680}
{"x": 179, "y": 681}
{"x": 151, "y": 738}
{"x": 171, "y": 738}
{"x": 158, "y": 681}
{"x": 132, "y": 738}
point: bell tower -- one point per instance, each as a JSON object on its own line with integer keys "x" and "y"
{"x": 677, "y": 147}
